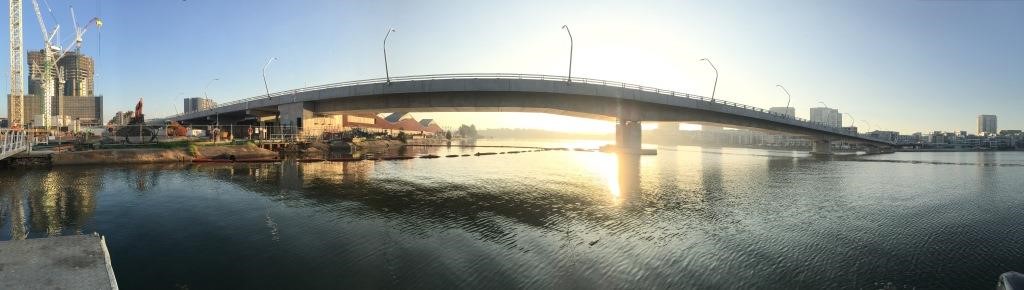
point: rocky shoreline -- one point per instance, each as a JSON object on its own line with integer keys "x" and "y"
{"x": 141, "y": 155}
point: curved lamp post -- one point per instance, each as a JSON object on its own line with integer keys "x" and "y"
{"x": 566, "y": 27}
{"x": 265, "y": 86}
{"x": 714, "y": 88}
{"x": 386, "y": 73}
{"x": 788, "y": 96}
{"x": 205, "y": 96}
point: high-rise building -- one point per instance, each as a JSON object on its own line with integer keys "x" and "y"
{"x": 986, "y": 124}
{"x": 75, "y": 69}
{"x": 827, "y": 116}
{"x": 198, "y": 104}
{"x": 73, "y": 90}
{"x": 788, "y": 111}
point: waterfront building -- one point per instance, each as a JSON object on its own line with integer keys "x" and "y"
{"x": 827, "y": 116}
{"x": 198, "y": 104}
{"x": 987, "y": 124}
{"x": 937, "y": 137}
{"x": 885, "y": 135}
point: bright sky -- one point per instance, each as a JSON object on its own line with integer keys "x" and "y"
{"x": 902, "y": 65}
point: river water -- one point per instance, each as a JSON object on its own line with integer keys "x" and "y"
{"x": 689, "y": 217}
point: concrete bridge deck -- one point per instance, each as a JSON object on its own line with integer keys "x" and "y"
{"x": 627, "y": 104}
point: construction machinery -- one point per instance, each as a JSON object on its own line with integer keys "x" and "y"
{"x": 51, "y": 55}
{"x": 16, "y": 107}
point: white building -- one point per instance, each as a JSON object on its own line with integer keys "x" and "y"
{"x": 827, "y": 116}
{"x": 986, "y": 124}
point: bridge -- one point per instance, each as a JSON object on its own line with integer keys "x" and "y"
{"x": 626, "y": 104}
{"x": 13, "y": 142}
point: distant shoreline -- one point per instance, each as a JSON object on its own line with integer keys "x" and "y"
{"x": 958, "y": 150}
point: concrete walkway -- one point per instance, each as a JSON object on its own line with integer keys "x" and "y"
{"x": 69, "y": 262}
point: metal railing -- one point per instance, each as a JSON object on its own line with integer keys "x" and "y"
{"x": 13, "y": 142}
{"x": 576, "y": 80}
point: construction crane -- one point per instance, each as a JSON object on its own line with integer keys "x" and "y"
{"x": 52, "y": 54}
{"x": 16, "y": 109}
{"x": 80, "y": 30}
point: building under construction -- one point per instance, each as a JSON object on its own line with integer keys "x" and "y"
{"x": 74, "y": 100}
{"x": 74, "y": 74}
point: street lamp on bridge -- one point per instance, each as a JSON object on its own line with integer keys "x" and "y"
{"x": 265, "y": 86}
{"x": 205, "y": 96}
{"x": 853, "y": 121}
{"x": 788, "y": 96}
{"x": 566, "y": 27}
{"x": 716, "y": 78}
{"x": 386, "y": 73}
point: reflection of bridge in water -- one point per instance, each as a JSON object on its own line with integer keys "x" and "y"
{"x": 626, "y": 104}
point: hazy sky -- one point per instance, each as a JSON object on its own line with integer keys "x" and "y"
{"x": 902, "y": 65}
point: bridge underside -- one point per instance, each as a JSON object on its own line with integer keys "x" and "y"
{"x": 585, "y": 106}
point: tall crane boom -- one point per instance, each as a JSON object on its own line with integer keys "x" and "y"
{"x": 51, "y": 56}
{"x": 16, "y": 103}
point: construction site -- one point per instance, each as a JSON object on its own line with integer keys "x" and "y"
{"x": 60, "y": 95}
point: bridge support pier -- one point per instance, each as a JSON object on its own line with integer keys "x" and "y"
{"x": 821, "y": 147}
{"x": 295, "y": 114}
{"x": 871, "y": 150}
{"x": 627, "y": 136}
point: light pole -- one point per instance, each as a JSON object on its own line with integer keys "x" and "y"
{"x": 823, "y": 104}
{"x": 386, "y": 73}
{"x": 854, "y": 121}
{"x": 566, "y": 27}
{"x": 713, "y": 89}
{"x": 869, "y": 125}
{"x": 205, "y": 96}
{"x": 265, "y": 86}
{"x": 788, "y": 96}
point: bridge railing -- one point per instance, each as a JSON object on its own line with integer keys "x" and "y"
{"x": 805, "y": 122}
{"x": 13, "y": 142}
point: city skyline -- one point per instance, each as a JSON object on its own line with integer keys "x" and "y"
{"x": 892, "y": 68}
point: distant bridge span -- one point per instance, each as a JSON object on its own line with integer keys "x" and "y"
{"x": 626, "y": 104}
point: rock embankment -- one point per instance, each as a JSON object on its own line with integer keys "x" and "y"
{"x": 160, "y": 155}
{"x": 121, "y": 156}
{"x": 238, "y": 151}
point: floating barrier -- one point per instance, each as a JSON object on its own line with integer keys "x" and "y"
{"x": 344, "y": 159}
{"x": 396, "y": 158}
